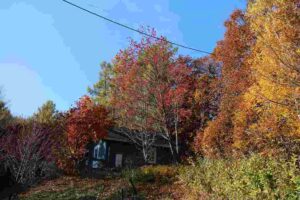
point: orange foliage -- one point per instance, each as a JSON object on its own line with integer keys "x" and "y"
{"x": 259, "y": 109}
{"x": 85, "y": 123}
{"x": 233, "y": 52}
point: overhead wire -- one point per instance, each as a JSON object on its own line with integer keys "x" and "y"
{"x": 133, "y": 29}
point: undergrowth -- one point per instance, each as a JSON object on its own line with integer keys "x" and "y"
{"x": 249, "y": 178}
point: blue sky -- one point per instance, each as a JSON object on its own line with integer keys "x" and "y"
{"x": 50, "y": 50}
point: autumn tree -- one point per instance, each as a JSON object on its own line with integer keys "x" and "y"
{"x": 27, "y": 150}
{"x": 207, "y": 92}
{"x": 203, "y": 103}
{"x": 233, "y": 52}
{"x": 259, "y": 110}
{"x": 150, "y": 86}
{"x": 86, "y": 122}
{"x": 274, "y": 98}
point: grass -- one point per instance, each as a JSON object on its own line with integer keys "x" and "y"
{"x": 248, "y": 178}
{"x": 73, "y": 188}
{"x": 155, "y": 182}
{"x": 151, "y": 183}
{"x": 69, "y": 193}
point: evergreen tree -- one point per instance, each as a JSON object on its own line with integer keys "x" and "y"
{"x": 46, "y": 114}
{"x": 101, "y": 90}
{"x": 5, "y": 115}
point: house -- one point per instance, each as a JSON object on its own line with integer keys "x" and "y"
{"x": 117, "y": 150}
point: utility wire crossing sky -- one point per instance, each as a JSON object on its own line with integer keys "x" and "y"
{"x": 51, "y": 50}
{"x": 135, "y": 30}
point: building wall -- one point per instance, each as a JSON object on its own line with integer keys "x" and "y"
{"x": 131, "y": 156}
{"x": 164, "y": 156}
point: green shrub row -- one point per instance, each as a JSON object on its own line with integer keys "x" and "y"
{"x": 147, "y": 174}
{"x": 248, "y": 178}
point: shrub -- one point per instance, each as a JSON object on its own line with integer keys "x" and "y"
{"x": 248, "y": 178}
{"x": 160, "y": 174}
{"x": 163, "y": 174}
{"x": 27, "y": 150}
{"x": 138, "y": 175}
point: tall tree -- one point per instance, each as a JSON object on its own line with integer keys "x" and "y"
{"x": 46, "y": 113}
{"x": 101, "y": 91}
{"x": 150, "y": 86}
{"x": 274, "y": 99}
{"x": 5, "y": 115}
{"x": 233, "y": 52}
{"x": 204, "y": 104}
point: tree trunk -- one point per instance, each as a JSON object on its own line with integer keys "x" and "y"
{"x": 168, "y": 137}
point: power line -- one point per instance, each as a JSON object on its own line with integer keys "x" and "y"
{"x": 132, "y": 29}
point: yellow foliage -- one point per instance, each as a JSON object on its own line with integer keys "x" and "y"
{"x": 274, "y": 98}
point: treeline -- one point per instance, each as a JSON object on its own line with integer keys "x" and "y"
{"x": 243, "y": 99}
{"x": 259, "y": 108}
{"x": 47, "y": 144}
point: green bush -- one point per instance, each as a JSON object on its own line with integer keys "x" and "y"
{"x": 249, "y": 178}
{"x": 138, "y": 175}
{"x": 159, "y": 174}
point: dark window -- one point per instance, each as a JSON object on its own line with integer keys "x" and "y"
{"x": 100, "y": 150}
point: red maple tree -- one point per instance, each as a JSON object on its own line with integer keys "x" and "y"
{"x": 150, "y": 87}
{"x": 86, "y": 122}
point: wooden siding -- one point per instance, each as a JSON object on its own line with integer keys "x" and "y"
{"x": 131, "y": 156}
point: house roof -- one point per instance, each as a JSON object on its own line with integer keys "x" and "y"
{"x": 119, "y": 136}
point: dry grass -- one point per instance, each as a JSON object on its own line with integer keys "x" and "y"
{"x": 67, "y": 187}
